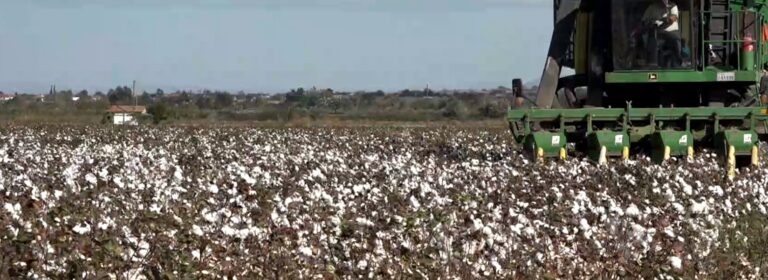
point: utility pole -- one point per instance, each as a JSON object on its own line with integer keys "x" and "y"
{"x": 133, "y": 90}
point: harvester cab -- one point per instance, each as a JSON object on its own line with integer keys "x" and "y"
{"x": 657, "y": 76}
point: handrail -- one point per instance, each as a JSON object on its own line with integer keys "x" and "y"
{"x": 738, "y": 33}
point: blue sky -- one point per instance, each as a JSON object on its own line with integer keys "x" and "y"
{"x": 270, "y": 45}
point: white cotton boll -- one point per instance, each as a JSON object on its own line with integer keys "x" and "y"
{"x": 638, "y": 230}
{"x": 196, "y": 230}
{"x": 632, "y": 210}
{"x": 177, "y": 174}
{"x": 227, "y": 230}
{"x": 304, "y": 250}
{"x": 102, "y": 225}
{"x": 143, "y": 248}
{"x": 14, "y": 209}
{"x": 213, "y": 188}
{"x": 716, "y": 190}
{"x": 415, "y": 202}
{"x": 529, "y": 231}
{"x": 364, "y": 221}
{"x": 414, "y": 170}
{"x": 44, "y": 195}
{"x": 317, "y": 174}
{"x": 155, "y": 208}
{"x": 362, "y": 264}
{"x": 687, "y": 189}
{"x": 698, "y": 208}
{"x": 616, "y": 210}
{"x": 669, "y": 194}
{"x": 103, "y": 173}
{"x": 82, "y": 229}
{"x": 477, "y": 224}
{"x": 575, "y": 209}
{"x": 90, "y": 178}
{"x": 195, "y": 254}
{"x": 119, "y": 182}
{"x": 256, "y": 231}
{"x": 210, "y": 216}
{"x": 407, "y": 244}
{"x": 488, "y": 232}
{"x": 584, "y": 225}
{"x": 676, "y": 262}
{"x": 668, "y": 231}
{"x": 247, "y": 178}
{"x": 517, "y": 229}
{"x": 679, "y": 208}
{"x": 358, "y": 189}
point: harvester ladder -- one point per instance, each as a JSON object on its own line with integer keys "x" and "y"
{"x": 720, "y": 32}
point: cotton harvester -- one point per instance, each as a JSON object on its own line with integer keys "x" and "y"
{"x": 650, "y": 75}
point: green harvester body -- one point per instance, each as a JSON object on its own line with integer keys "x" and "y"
{"x": 632, "y": 89}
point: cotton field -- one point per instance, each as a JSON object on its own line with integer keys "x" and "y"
{"x": 246, "y": 203}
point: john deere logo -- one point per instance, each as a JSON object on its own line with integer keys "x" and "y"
{"x": 653, "y": 76}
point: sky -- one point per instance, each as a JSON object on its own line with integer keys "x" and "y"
{"x": 271, "y": 45}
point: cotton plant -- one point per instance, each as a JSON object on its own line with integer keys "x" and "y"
{"x": 245, "y": 203}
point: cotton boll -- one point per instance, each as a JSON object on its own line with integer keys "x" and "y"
{"x": 632, "y": 210}
{"x": 415, "y": 202}
{"x": 676, "y": 262}
{"x": 91, "y": 179}
{"x": 698, "y": 208}
{"x": 306, "y": 251}
{"x": 82, "y": 228}
{"x": 678, "y": 207}
{"x": 143, "y": 249}
{"x": 196, "y": 230}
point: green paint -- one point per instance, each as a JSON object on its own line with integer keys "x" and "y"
{"x": 741, "y": 140}
{"x": 699, "y": 124}
{"x": 549, "y": 142}
{"x": 677, "y": 141}
{"x": 634, "y": 114}
{"x": 613, "y": 141}
{"x": 681, "y": 76}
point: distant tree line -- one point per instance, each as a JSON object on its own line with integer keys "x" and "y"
{"x": 299, "y": 103}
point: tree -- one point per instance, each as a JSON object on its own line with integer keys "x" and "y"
{"x": 455, "y": 109}
{"x": 223, "y": 100}
{"x": 120, "y": 95}
{"x": 492, "y": 110}
{"x": 145, "y": 99}
{"x": 159, "y": 112}
{"x": 203, "y": 102}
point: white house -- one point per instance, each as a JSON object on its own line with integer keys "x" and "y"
{"x": 6, "y": 97}
{"x": 126, "y": 114}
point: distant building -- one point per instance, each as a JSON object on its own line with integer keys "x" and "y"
{"x": 6, "y": 97}
{"x": 120, "y": 114}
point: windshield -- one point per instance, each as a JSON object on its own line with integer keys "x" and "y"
{"x": 651, "y": 34}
